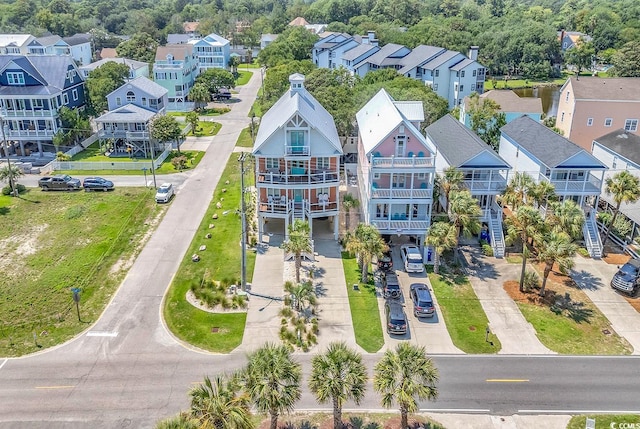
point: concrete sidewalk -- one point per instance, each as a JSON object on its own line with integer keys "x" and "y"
{"x": 484, "y": 421}
{"x": 516, "y": 335}
{"x": 593, "y": 277}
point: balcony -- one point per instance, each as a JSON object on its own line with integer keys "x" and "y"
{"x": 588, "y": 186}
{"x": 21, "y": 134}
{"x": 282, "y": 206}
{"x": 400, "y": 226}
{"x": 402, "y": 162}
{"x": 131, "y": 135}
{"x": 292, "y": 150}
{"x": 176, "y": 66}
{"x": 494, "y": 186}
{"x": 10, "y": 113}
{"x": 296, "y": 177}
{"x": 137, "y": 135}
{"x": 401, "y": 193}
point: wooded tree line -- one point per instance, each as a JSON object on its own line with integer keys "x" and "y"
{"x": 515, "y": 36}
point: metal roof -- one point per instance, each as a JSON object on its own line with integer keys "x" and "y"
{"x": 129, "y": 113}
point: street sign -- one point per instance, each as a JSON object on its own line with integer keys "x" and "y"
{"x": 76, "y": 294}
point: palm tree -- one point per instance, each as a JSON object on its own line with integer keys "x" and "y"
{"x": 302, "y": 294}
{"x": 348, "y": 203}
{"x": 298, "y": 243}
{"x": 338, "y": 375}
{"x": 555, "y": 247}
{"x": 180, "y": 421}
{"x": 524, "y": 223}
{"x": 442, "y": 236}
{"x": 625, "y": 188}
{"x": 366, "y": 243}
{"x": 218, "y": 405}
{"x": 566, "y": 216}
{"x": 405, "y": 375}
{"x": 449, "y": 181}
{"x": 11, "y": 174}
{"x": 234, "y": 62}
{"x": 272, "y": 380}
{"x": 464, "y": 214}
{"x": 517, "y": 190}
{"x": 541, "y": 193}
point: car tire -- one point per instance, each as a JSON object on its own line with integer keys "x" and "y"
{"x": 45, "y": 188}
{"x": 105, "y": 189}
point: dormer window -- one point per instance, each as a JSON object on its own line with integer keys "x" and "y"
{"x": 169, "y": 57}
{"x": 15, "y": 78}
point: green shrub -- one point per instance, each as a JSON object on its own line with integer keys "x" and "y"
{"x": 487, "y": 250}
{"x": 20, "y": 187}
{"x": 583, "y": 252}
{"x": 531, "y": 281}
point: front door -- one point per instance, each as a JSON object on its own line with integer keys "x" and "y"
{"x": 298, "y": 195}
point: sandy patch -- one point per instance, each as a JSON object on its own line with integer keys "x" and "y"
{"x": 20, "y": 245}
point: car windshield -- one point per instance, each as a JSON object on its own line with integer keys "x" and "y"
{"x": 393, "y": 286}
{"x": 163, "y": 190}
{"x": 629, "y": 269}
{"x": 66, "y": 178}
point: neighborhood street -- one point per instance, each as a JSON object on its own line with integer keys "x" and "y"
{"x": 127, "y": 370}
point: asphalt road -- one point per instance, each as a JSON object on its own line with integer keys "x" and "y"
{"x": 126, "y": 370}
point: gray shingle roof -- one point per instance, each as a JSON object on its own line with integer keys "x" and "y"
{"x": 419, "y": 55}
{"x": 597, "y": 88}
{"x": 458, "y": 144}
{"x": 462, "y": 64}
{"x": 46, "y": 40}
{"x": 51, "y": 70}
{"x": 623, "y": 143}
{"x": 132, "y": 64}
{"x": 148, "y": 86}
{"x": 359, "y": 50}
{"x": 128, "y": 113}
{"x": 440, "y": 59}
{"x": 546, "y": 145}
{"x": 384, "y": 52}
{"x": 77, "y": 39}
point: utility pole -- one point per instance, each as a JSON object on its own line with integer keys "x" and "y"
{"x": 243, "y": 261}
{"x": 14, "y": 190}
{"x": 153, "y": 169}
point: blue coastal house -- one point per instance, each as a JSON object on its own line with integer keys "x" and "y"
{"x": 32, "y": 91}
{"x": 176, "y": 69}
{"x": 131, "y": 108}
{"x": 512, "y": 105}
{"x": 212, "y": 51}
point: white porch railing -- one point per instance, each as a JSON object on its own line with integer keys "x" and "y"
{"x": 115, "y": 165}
{"x": 399, "y": 226}
{"x": 401, "y": 193}
{"x": 10, "y": 113}
{"x": 392, "y": 161}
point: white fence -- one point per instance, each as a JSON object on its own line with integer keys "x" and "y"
{"x": 109, "y": 165}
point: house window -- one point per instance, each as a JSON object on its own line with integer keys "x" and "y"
{"x": 474, "y": 73}
{"x": 144, "y": 101}
{"x": 398, "y": 181}
{"x": 435, "y": 86}
{"x": 118, "y": 101}
{"x": 461, "y": 88}
{"x": 566, "y": 98}
{"x": 437, "y": 73}
{"x": 422, "y": 176}
{"x": 455, "y": 86}
{"x": 473, "y": 87}
{"x": 272, "y": 163}
{"x": 631, "y": 125}
{"x": 400, "y": 143}
{"x": 562, "y": 117}
{"x": 608, "y": 122}
{"x": 65, "y": 98}
{"x": 614, "y": 163}
{"x": 74, "y": 94}
{"x": 589, "y": 122}
{"x": 296, "y": 139}
{"x": 323, "y": 163}
{"x": 131, "y": 97}
{"x": 37, "y": 103}
{"x": 15, "y": 78}
{"x": 376, "y": 176}
{"x": 462, "y": 73}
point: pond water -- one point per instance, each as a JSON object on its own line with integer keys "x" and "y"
{"x": 550, "y": 96}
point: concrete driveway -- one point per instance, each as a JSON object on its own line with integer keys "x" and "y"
{"x": 593, "y": 277}
{"x": 428, "y": 332}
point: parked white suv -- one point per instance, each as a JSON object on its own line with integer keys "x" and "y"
{"x": 412, "y": 258}
{"x": 164, "y": 193}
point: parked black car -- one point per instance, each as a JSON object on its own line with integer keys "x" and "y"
{"x": 396, "y": 318}
{"x": 97, "y": 184}
{"x": 391, "y": 286}
{"x": 422, "y": 300}
{"x": 385, "y": 263}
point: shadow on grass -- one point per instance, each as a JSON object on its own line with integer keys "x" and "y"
{"x": 4, "y": 211}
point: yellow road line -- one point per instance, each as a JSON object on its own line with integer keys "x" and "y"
{"x": 54, "y": 387}
{"x": 506, "y": 380}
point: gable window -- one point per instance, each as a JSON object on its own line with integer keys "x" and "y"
{"x": 608, "y": 122}
{"x": 631, "y": 125}
{"x": 15, "y": 78}
{"x": 589, "y": 122}
{"x": 131, "y": 97}
{"x": 74, "y": 94}
{"x": 400, "y": 143}
{"x": 144, "y": 101}
{"x": 562, "y": 117}
{"x": 118, "y": 101}
{"x": 65, "y": 98}
{"x": 567, "y": 96}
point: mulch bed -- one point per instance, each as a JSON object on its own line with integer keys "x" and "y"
{"x": 325, "y": 421}
{"x": 557, "y": 284}
{"x": 616, "y": 258}
{"x": 634, "y": 302}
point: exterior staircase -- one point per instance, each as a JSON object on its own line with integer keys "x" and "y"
{"x": 592, "y": 240}
{"x": 497, "y": 235}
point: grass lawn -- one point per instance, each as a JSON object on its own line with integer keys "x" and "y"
{"x": 604, "y": 421}
{"x": 194, "y": 157}
{"x": 463, "y": 314}
{"x": 364, "y": 306}
{"x": 243, "y": 77}
{"x": 51, "y": 242}
{"x": 520, "y": 83}
{"x": 579, "y": 330}
{"x": 220, "y": 261}
{"x": 206, "y": 128}
{"x": 514, "y": 259}
{"x": 245, "y": 139}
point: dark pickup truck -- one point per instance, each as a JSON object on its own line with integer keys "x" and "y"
{"x": 59, "y": 183}
{"x": 222, "y": 94}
